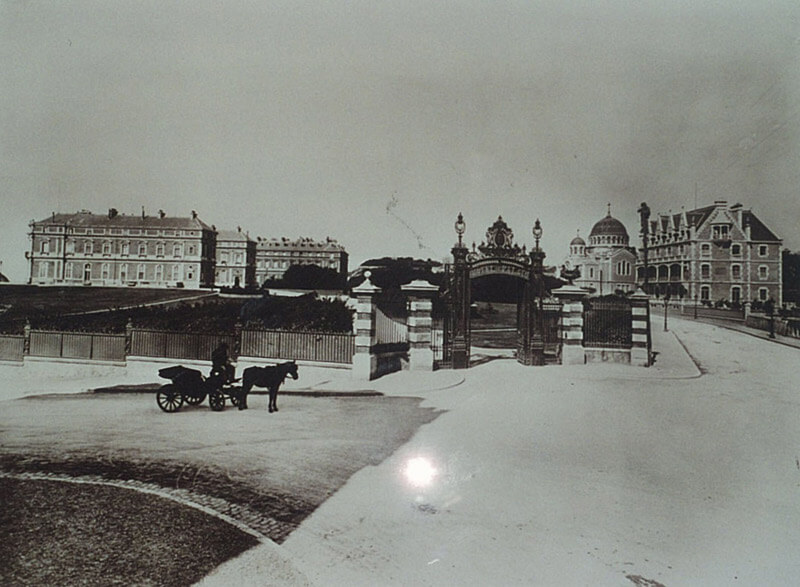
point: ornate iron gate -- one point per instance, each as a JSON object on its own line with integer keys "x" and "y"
{"x": 538, "y": 322}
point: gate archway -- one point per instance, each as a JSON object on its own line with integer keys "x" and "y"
{"x": 538, "y": 321}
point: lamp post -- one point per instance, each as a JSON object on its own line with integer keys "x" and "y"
{"x": 537, "y": 258}
{"x": 695, "y": 306}
{"x": 769, "y": 309}
{"x": 459, "y": 292}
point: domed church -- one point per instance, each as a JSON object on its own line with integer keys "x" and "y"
{"x": 607, "y": 264}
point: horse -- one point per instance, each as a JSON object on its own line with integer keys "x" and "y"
{"x": 269, "y": 377}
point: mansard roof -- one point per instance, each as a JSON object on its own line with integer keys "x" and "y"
{"x": 233, "y": 235}
{"x": 698, "y": 216}
{"x": 85, "y": 219}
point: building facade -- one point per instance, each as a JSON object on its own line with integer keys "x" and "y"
{"x": 714, "y": 254}
{"x": 119, "y": 249}
{"x": 607, "y": 264}
{"x": 236, "y": 259}
{"x": 275, "y": 255}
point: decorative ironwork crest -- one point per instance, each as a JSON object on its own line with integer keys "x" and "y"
{"x": 499, "y": 243}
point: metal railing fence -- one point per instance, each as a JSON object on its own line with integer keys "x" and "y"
{"x": 607, "y": 323}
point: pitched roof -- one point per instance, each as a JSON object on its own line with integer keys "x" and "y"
{"x": 758, "y": 231}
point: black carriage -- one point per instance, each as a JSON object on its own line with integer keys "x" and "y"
{"x": 190, "y": 386}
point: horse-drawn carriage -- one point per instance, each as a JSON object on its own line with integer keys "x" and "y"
{"x": 191, "y": 387}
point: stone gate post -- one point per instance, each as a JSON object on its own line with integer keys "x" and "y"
{"x": 364, "y": 363}
{"x": 420, "y": 324}
{"x": 640, "y": 328}
{"x": 571, "y": 298}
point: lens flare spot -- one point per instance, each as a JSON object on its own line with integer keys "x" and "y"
{"x": 420, "y": 472}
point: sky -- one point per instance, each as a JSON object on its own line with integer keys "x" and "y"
{"x": 376, "y": 123}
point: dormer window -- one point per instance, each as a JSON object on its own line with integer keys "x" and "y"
{"x": 720, "y": 232}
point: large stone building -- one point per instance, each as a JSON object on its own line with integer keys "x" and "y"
{"x": 275, "y": 255}
{"x": 606, "y": 265}
{"x": 712, "y": 254}
{"x": 236, "y": 259}
{"x": 119, "y": 249}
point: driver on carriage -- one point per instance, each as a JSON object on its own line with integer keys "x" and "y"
{"x": 220, "y": 363}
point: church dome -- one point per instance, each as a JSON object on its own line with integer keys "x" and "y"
{"x": 577, "y": 242}
{"x": 609, "y": 230}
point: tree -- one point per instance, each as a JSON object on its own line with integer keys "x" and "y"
{"x": 308, "y": 277}
{"x": 791, "y": 276}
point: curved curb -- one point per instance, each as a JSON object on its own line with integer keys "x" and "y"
{"x": 271, "y": 530}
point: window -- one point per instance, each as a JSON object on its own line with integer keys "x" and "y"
{"x": 763, "y": 250}
{"x": 140, "y": 272}
{"x": 736, "y": 250}
{"x": 142, "y": 250}
{"x": 705, "y": 271}
{"x": 190, "y": 273}
{"x": 44, "y": 269}
{"x": 705, "y": 293}
{"x": 763, "y": 294}
{"x": 191, "y": 250}
{"x": 736, "y": 294}
{"x": 719, "y": 232}
{"x": 705, "y": 250}
{"x": 87, "y": 272}
{"x": 104, "y": 271}
{"x": 126, "y": 249}
{"x": 176, "y": 272}
{"x": 176, "y": 251}
{"x": 70, "y": 247}
{"x": 106, "y": 248}
{"x": 159, "y": 273}
{"x": 160, "y": 250}
{"x": 87, "y": 248}
{"x": 763, "y": 272}
{"x": 736, "y": 271}
{"x": 123, "y": 273}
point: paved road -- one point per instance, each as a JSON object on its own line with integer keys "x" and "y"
{"x": 280, "y": 465}
{"x": 584, "y": 476}
{"x": 596, "y": 474}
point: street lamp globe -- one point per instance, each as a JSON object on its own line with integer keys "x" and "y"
{"x": 460, "y": 227}
{"x": 537, "y": 231}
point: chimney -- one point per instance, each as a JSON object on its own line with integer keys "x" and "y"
{"x": 194, "y": 215}
{"x": 720, "y": 203}
{"x": 142, "y": 212}
{"x": 161, "y": 214}
{"x": 736, "y": 210}
{"x": 112, "y": 213}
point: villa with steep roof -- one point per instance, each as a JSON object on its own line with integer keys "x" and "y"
{"x": 713, "y": 254}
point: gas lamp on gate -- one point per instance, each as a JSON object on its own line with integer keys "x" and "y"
{"x": 537, "y": 258}
{"x": 460, "y": 227}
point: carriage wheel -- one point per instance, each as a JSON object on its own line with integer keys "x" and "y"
{"x": 169, "y": 398}
{"x": 216, "y": 400}
{"x": 235, "y": 397}
{"x": 194, "y": 400}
